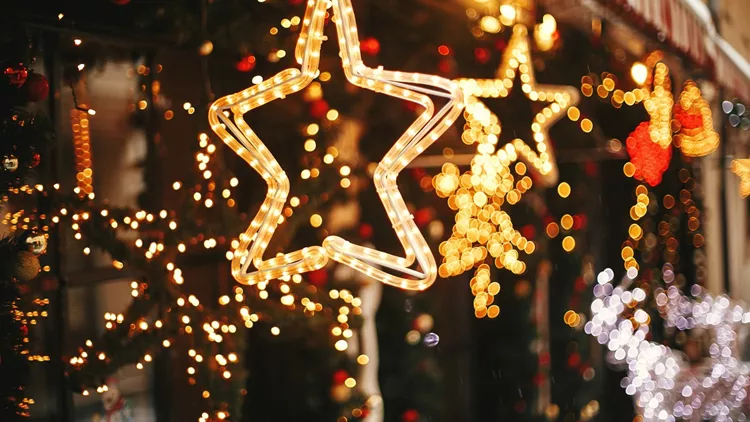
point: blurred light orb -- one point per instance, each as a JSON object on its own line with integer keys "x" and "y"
{"x": 639, "y": 73}
{"x": 431, "y": 340}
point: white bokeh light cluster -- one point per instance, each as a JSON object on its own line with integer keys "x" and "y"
{"x": 664, "y": 384}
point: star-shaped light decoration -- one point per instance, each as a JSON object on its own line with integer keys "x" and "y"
{"x": 482, "y": 228}
{"x": 243, "y": 140}
{"x": 742, "y": 169}
{"x": 429, "y": 126}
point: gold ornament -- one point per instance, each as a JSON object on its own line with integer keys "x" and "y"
{"x": 10, "y": 163}
{"x": 28, "y": 266}
{"x": 416, "y": 88}
{"x": 696, "y": 137}
{"x": 37, "y": 243}
{"x": 742, "y": 169}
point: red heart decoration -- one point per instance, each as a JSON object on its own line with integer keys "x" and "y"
{"x": 650, "y": 159}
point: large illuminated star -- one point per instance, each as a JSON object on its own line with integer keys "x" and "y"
{"x": 416, "y": 88}
{"x": 243, "y": 140}
{"x": 742, "y": 169}
{"x": 517, "y": 59}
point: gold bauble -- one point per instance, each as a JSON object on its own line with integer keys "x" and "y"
{"x": 28, "y": 266}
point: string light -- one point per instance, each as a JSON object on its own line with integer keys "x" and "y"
{"x": 249, "y": 147}
{"x": 82, "y": 143}
{"x": 428, "y": 127}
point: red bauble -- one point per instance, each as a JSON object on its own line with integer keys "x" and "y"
{"x": 574, "y": 360}
{"x": 246, "y": 63}
{"x": 410, "y": 415}
{"x": 365, "y": 231}
{"x": 120, "y": 2}
{"x": 445, "y": 65}
{"x": 319, "y": 108}
{"x": 544, "y": 359}
{"x": 591, "y": 169}
{"x": 37, "y": 87}
{"x": 16, "y": 74}
{"x": 36, "y": 158}
{"x": 650, "y": 159}
{"x": 24, "y": 330}
{"x": 423, "y": 217}
{"x": 538, "y": 379}
{"x": 318, "y": 278}
{"x": 339, "y": 377}
{"x": 528, "y": 231}
{"x": 295, "y": 2}
{"x": 482, "y": 55}
{"x": 370, "y": 46}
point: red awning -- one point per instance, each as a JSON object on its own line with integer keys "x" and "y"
{"x": 688, "y": 26}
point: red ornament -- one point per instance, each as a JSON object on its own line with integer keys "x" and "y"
{"x": 365, "y": 231}
{"x": 528, "y": 231}
{"x": 318, "y": 278}
{"x": 37, "y": 87}
{"x": 370, "y": 46}
{"x": 445, "y": 65}
{"x": 16, "y": 74}
{"x": 410, "y": 415}
{"x": 36, "y": 158}
{"x": 423, "y": 217}
{"x": 120, "y": 2}
{"x": 482, "y": 55}
{"x": 591, "y": 169}
{"x": 544, "y": 359}
{"x": 650, "y": 159}
{"x": 24, "y": 330}
{"x": 295, "y": 2}
{"x": 580, "y": 284}
{"x": 538, "y": 379}
{"x": 319, "y": 108}
{"x": 574, "y": 360}
{"x": 340, "y": 376}
{"x": 246, "y": 63}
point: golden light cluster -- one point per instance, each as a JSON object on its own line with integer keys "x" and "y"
{"x": 659, "y": 106}
{"x": 742, "y": 169}
{"x": 79, "y": 122}
{"x": 482, "y": 230}
{"x": 422, "y": 133}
